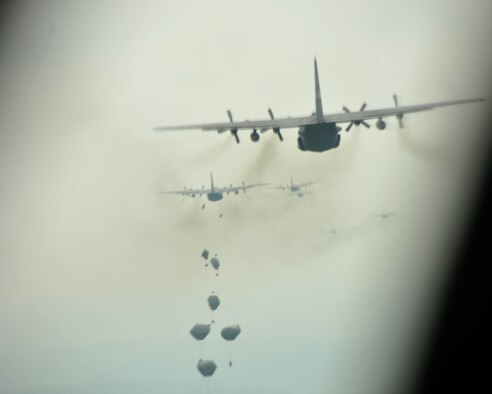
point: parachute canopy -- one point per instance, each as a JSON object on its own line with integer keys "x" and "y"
{"x": 230, "y": 333}
{"x": 213, "y": 301}
{"x": 206, "y": 367}
{"x": 215, "y": 262}
{"x": 205, "y": 254}
{"x": 200, "y": 331}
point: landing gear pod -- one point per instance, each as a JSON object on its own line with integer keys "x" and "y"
{"x": 300, "y": 143}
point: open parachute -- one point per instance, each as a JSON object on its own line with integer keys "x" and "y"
{"x": 230, "y": 333}
{"x": 206, "y": 367}
{"x": 213, "y": 301}
{"x": 200, "y": 331}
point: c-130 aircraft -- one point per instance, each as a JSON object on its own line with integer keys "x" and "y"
{"x": 295, "y": 188}
{"x": 317, "y": 132}
{"x": 214, "y": 193}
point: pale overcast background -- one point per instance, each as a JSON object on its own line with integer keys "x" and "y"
{"x": 100, "y": 275}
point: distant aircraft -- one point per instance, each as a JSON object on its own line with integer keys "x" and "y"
{"x": 384, "y": 215}
{"x": 317, "y": 132}
{"x": 331, "y": 231}
{"x": 295, "y": 188}
{"x": 214, "y": 193}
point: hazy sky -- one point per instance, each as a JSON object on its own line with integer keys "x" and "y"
{"x": 100, "y": 275}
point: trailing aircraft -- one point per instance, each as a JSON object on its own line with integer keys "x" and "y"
{"x": 295, "y": 188}
{"x": 384, "y": 215}
{"x": 214, "y": 193}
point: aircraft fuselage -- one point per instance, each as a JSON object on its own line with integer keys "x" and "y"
{"x": 214, "y": 196}
{"x": 318, "y": 137}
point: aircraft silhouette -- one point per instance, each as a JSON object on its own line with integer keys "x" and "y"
{"x": 295, "y": 188}
{"x": 318, "y": 132}
{"x": 214, "y": 193}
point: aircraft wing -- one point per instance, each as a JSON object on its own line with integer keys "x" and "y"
{"x": 343, "y": 117}
{"x": 232, "y": 189}
{"x": 394, "y": 111}
{"x": 306, "y": 184}
{"x": 247, "y": 124}
{"x": 188, "y": 192}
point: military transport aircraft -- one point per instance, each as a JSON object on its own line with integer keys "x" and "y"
{"x": 317, "y": 132}
{"x": 214, "y": 193}
{"x": 295, "y": 188}
{"x": 384, "y": 215}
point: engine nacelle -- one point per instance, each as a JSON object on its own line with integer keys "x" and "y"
{"x": 255, "y": 136}
{"x": 381, "y": 124}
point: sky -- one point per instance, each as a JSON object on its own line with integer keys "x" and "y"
{"x": 101, "y": 277}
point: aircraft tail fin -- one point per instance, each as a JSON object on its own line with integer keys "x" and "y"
{"x": 319, "y": 104}
{"x": 212, "y": 182}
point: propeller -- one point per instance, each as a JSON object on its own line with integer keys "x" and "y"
{"x": 399, "y": 116}
{"x": 229, "y": 190}
{"x": 276, "y": 130}
{"x": 356, "y": 122}
{"x": 201, "y": 191}
{"x": 234, "y": 130}
{"x": 244, "y": 187}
